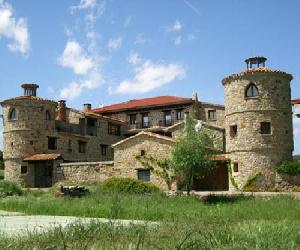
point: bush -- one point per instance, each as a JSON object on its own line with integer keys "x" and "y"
{"x": 128, "y": 185}
{"x": 1, "y": 174}
{"x": 289, "y": 167}
{"x": 8, "y": 188}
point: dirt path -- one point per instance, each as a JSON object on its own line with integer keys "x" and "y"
{"x": 12, "y": 223}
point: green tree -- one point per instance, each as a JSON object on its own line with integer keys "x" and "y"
{"x": 192, "y": 153}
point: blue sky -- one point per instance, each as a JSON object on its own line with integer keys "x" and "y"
{"x": 108, "y": 51}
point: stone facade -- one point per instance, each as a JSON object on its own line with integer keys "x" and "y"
{"x": 126, "y": 152}
{"x": 253, "y": 132}
{"x": 31, "y": 127}
{"x": 250, "y": 149}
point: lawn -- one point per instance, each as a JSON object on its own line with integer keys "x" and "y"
{"x": 186, "y": 222}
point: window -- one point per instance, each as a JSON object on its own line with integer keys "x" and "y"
{"x": 48, "y": 115}
{"x": 145, "y": 120}
{"x": 114, "y": 129}
{"x": 81, "y": 146}
{"x": 23, "y": 169}
{"x": 212, "y": 115}
{"x": 143, "y": 152}
{"x": 13, "y": 115}
{"x": 143, "y": 174}
{"x": 60, "y": 169}
{"x": 251, "y": 90}
{"x": 132, "y": 119}
{"x": 233, "y": 130}
{"x": 179, "y": 114}
{"x": 52, "y": 143}
{"x": 265, "y": 128}
{"x": 167, "y": 118}
{"x": 235, "y": 167}
{"x": 103, "y": 149}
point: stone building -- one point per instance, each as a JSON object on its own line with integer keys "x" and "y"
{"x": 258, "y": 121}
{"x": 46, "y": 142}
{"x": 39, "y": 134}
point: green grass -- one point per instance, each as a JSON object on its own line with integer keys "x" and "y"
{"x": 186, "y": 223}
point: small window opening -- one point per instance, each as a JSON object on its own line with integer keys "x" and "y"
{"x": 143, "y": 152}
{"x": 52, "y": 143}
{"x": 82, "y": 146}
{"x": 48, "y": 115}
{"x": 13, "y": 115}
{"x": 251, "y": 90}
{"x": 23, "y": 169}
{"x": 143, "y": 174}
{"x": 212, "y": 115}
{"x": 233, "y": 131}
{"x": 104, "y": 149}
{"x": 235, "y": 167}
{"x": 265, "y": 128}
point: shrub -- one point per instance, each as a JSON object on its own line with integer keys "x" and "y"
{"x": 8, "y": 188}
{"x": 128, "y": 185}
{"x": 289, "y": 167}
{"x": 1, "y": 174}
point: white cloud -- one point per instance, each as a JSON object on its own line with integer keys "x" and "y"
{"x": 84, "y": 4}
{"x": 74, "y": 57}
{"x": 177, "y": 26}
{"x": 83, "y": 64}
{"x": 150, "y": 76}
{"x": 14, "y": 29}
{"x": 115, "y": 43}
{"x": 75, "y": 88}
{"x": 140, "y": 39}
{"x": 177, "y": 40}
{"x": 134, "y": 58}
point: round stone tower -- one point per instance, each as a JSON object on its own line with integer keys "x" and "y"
{"x": 258, "y": 122}
{"x": 27, "y": 121}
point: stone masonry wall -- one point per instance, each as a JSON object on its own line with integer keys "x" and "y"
{"x": 252, "y": 151}
{"x": 125, "y": 156}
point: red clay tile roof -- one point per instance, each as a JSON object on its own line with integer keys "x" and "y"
{"x": 42, "y": 157}
{"x": 296, "y": 101}
{"x": 256, "y": 70}
{"x": 32, "y": 98}
{"x": 139, "y": 103}
{"x": 149, "y": 134}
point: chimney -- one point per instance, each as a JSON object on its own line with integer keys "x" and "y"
{"x": 30, "y": 89}
{"x": 87, "y": 107}
{"x": 61, "y": 112}
{"x": 195, "y": 96}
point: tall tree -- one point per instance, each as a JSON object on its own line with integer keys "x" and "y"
{"x": 192, "y": 152}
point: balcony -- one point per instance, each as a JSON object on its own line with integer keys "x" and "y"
{"x": 61, "y": 126}
{"x": 140, "y": 125}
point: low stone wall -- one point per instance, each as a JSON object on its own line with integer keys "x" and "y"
{"x": 87, "y": 172}
{"x": 285, "y": 182}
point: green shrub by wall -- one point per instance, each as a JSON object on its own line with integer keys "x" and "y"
{"x": 128, "y": 185}
{"x": 8, "y": 188}
{"x": 289, "y": 167}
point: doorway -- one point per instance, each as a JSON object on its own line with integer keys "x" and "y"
{"x": 216, "y": 180}
{"x": 43, "y": 174}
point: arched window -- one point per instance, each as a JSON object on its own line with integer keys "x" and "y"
{"x": 48, "y": 115}
{"x": 13, "y": 115}
{"x": 251, "y": 90}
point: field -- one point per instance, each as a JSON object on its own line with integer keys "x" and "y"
{"x": 185, "y": 222}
